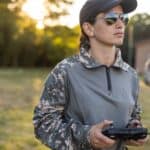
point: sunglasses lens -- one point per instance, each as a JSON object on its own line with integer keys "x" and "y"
{"x": 125, "y": 20}
{"x": 110, "y": 20}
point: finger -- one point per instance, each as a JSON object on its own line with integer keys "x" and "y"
{"x": 104, "y": 139}
{"x": 104, "y": 124}
{"x": 96, "y": 138}
{"x": 101, "y": 144}
{"x": 98, "y": 146}
{"x": 143, "y": 140}
{"x": 134, "y": 143}
{"x": 135, "y": 123}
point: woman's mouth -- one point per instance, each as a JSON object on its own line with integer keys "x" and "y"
{"x": 119, "y": 34}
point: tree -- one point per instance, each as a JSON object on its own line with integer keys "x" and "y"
{"x": 140, "y": 23}
{"x": 51, "y": 46}
{"x": 56, "y": 8}
{"x": 8, "y": 29}
{"x": 21, "y": 44}
{"x": 16, "y": 34}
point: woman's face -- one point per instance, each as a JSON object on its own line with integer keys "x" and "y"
{"x": 108, "y": 31}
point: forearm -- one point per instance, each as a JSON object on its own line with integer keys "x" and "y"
{"x": 56, "y": 133}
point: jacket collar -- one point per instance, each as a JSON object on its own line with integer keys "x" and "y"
{"x": 89, "y": 62}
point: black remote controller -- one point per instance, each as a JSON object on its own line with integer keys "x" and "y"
{"x": 126, "y": 133}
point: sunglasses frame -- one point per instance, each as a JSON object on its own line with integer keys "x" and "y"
{"x": 111, "y": 18}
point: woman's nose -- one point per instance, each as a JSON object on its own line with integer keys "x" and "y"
{"x": 120, "y": 23}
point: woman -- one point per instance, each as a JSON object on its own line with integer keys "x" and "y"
{"x": 88, "y": 92}
{"x": 147, "y": 72}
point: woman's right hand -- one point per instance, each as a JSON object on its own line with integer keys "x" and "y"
{"x": 97, "y": 139}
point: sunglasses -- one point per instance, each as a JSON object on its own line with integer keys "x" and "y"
{"x": 111, "y": 18}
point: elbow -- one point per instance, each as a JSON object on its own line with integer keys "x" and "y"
{"x": 36, "y": 133}
{"x": 42, "y": 136}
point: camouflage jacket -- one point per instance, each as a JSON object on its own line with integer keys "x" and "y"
{"x": 52, "y": 126}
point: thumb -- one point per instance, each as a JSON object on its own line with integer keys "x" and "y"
{"x": 104, "y": 124}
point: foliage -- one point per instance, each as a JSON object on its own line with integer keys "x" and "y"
{"x": 141, "y": 24}
{"x": 62, "y": 43}
{"x": 56, "y": 8}
{"x": 141, "y": 31}
{"x": 8, "y": 29}
{"x": 22, "y": 44}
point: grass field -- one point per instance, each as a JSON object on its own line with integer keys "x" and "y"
{"x": 19, "y": 93}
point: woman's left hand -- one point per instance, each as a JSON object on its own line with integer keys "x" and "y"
{"x": 135, "y": 124}
{"x": 139, "y": 142}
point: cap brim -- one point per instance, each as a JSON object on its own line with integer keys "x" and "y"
{"x": 128, "y": 5}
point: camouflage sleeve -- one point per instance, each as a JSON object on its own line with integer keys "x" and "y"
{"x": 49, "y": 124}
{"x": 136, "y": 114}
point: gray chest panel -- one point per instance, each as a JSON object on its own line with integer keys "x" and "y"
{"x": 90, "y": 100}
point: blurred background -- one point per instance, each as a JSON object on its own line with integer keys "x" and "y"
{"x": 37, "y": 34}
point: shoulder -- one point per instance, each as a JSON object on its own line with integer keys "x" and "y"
{"x": 131, "y": 70}
{"x": 65, "y": 64}
{"x": 134, "y": 77}
{"x": 132, "y": 74}
{"x": 59, "y": 72}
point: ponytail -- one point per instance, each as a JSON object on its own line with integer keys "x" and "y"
{"x": 84, "y": 41}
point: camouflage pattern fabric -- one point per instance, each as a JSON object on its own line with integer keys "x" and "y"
{"x": 49, "y": 115}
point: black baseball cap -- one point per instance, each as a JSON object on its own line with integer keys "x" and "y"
{"x": 92, "y": 8}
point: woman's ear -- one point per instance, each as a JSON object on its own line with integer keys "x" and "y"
{"x": 88, "y": 29}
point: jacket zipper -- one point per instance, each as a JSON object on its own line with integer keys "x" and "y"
{"x": 109, "y": 84}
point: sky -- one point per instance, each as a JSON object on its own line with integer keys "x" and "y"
{"x": 35, "y": 9}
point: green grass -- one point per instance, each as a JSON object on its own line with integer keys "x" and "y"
{"x": 144, "y": 98}
{"x": 19, "y": 93}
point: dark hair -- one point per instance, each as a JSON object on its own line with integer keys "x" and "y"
{"x": 84, "y": 39}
